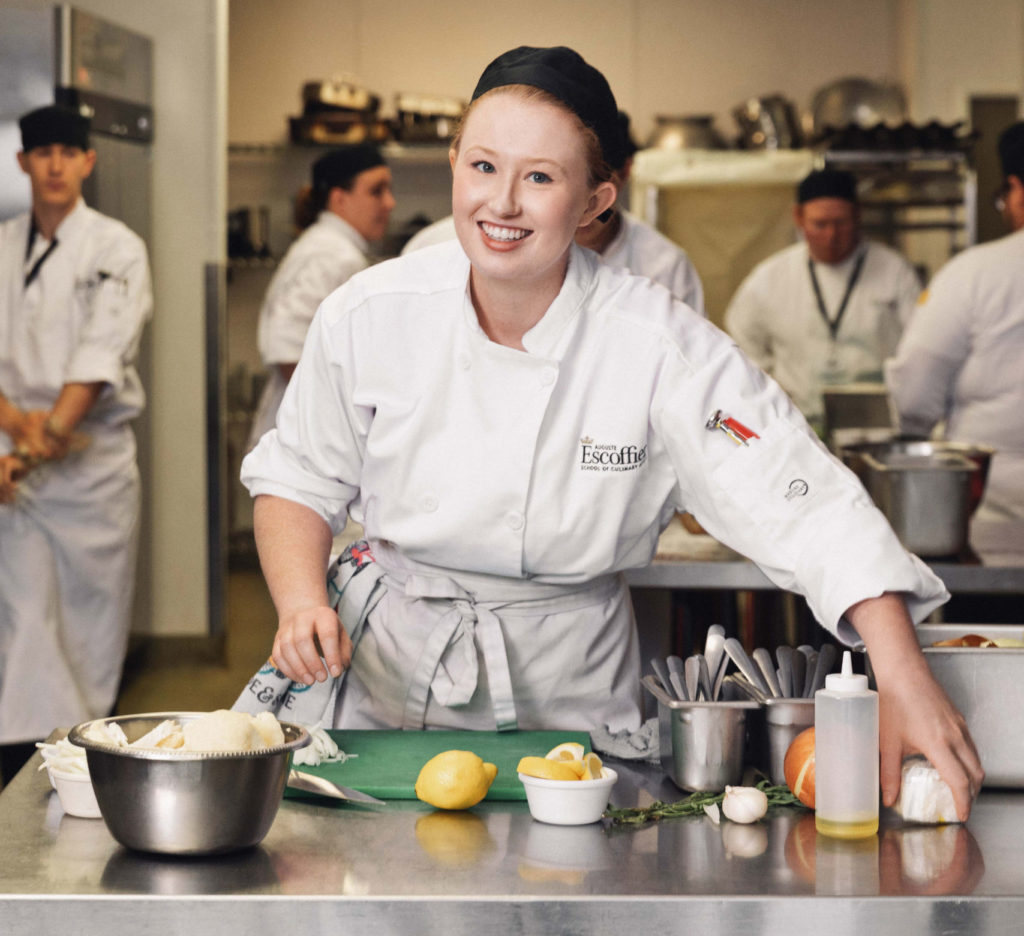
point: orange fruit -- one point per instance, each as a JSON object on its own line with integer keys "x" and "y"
{"x": 799, "y": 767}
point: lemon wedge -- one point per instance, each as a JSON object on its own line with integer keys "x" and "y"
{"x": 578, "y": 767}
{"x": 567, "y": 750}
{"x": 593, "y": 768}
{"x": 546, "y": 769}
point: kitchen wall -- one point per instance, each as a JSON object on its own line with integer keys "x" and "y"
{"x": 188, "y": 208}
{"x": 660, "y": 56}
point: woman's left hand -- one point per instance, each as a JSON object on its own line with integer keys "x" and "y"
{"x": 917, "y": 717}
{"x": 915, "y": 714}
{"x": 12, "y": 470}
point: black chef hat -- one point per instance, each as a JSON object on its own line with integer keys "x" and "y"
{"x": 54, "y": 124}
{"x": 564, "y": 73}
{"x": 629, "y": 146}
{"x": 1011, "y": 150}
{"x": 339, "y": 167}
{"x": 828, "y": 183}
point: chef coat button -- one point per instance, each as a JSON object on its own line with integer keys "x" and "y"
{"x": 515, "y": 520}
{"x": 428, "y": 502}
{"x": 548, "y": 376}
{"x": 464, "y": 361}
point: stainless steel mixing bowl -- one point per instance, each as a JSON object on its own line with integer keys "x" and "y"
{"x": 186, "y": 803}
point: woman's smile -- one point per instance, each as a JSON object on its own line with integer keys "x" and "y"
{"x": 503, "y": 234}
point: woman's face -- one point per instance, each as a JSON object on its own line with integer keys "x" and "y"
{"x": 368, "y": 204}
{"x": 520, "y": 189}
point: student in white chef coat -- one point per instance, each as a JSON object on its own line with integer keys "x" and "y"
{"x": 829, "y": 309}
{"x": 350, "y": 202}
{"x": 623, "y": 240}
{"x": 514, "y": 422}
{"x": 74, "y": 297}
{"x": 960, "y": 358}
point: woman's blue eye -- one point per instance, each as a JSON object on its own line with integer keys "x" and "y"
{"x": 483, "y": 165}
{"x": 539, "y": 177}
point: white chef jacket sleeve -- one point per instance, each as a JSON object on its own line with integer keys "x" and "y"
{"x": 908, "y": 292}
{"x": 687, "y": 286}
{"x": 921, "y": 376}
{"x": 782, "y": 500}
{"x": 746, "y": 321}
{"x": 314, "y": 455}
{"x": 120, "y": 301}
{"x": 283, "y": 329}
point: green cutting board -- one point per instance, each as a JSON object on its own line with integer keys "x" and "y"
{"x": 389, "y": 761}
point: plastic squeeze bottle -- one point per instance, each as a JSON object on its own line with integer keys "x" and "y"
{"x": 846, "y": 755}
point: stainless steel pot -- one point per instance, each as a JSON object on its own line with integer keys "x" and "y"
{"x": 927, "y": 490}
{"x": 768, "y": 123}
{"x": 694, "y": 131}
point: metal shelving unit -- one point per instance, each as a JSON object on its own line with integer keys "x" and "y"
{"x": 910, "y": 194}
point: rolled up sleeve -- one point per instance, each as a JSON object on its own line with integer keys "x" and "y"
{"x": 314, "y": 456}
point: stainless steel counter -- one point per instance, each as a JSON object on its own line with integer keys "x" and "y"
{"x": 402, "y": 868}
{"x": 687, "y": 561}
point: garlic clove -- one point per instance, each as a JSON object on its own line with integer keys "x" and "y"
{"x": 744, "y": 804}
{"x": 712, "y": 812}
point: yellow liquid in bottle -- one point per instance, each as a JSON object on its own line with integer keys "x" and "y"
{"x": 854, "y": 829}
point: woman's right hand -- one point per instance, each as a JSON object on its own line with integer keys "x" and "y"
{"x": 306, "y": 640}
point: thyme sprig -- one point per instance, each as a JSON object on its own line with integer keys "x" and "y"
{"x": 693, "y": 805}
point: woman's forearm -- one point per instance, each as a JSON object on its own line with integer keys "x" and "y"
{"x": 294, "y": 545}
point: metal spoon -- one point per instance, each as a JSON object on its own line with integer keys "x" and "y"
{"x": 747, "y": 687}
{"x": 692, "y": 671}
{"x": 826, "y": 659}
{"x": 764, "y": 659}
{"x": 745, "y": 665}
{"x": 718, "y": 674}
{"x": 704, "y": 678}
{"x": 713, "y": 645}
{"x": 812, "y": 664}
{"x": 676, "y": 673}
{"x": 662, "y": 673}
{"x": 799, "y": 673}
{"x": 784, "y": 655}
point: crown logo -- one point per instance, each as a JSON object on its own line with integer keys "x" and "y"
{"x": 586, "y": 440}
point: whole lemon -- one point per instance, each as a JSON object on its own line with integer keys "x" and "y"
{"x": 454, "y": 780}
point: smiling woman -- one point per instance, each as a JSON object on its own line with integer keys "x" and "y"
{"x": 513, "y": 422}
{"x": 520, "y": 191}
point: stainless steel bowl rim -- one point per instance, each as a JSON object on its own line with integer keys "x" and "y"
{"x": 300, "y": 739}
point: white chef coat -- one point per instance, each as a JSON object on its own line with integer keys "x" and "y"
{"x": 560, "y": 465}
{"x": 68, "y": 542}
{"x": 775, "y": 319}
{"x": 960, "y": 361}
{"x": 636, "y": 247}
{"x": 323, "y": 257}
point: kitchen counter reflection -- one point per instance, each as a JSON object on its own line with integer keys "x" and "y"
{"x": 405, "y": 868}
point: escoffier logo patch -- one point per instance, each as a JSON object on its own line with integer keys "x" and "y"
{"x": 607, "y": 456}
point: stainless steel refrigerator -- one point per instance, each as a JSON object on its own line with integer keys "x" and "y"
{"x": 60, "y": 54}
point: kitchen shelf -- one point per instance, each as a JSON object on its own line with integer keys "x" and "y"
{"x": 915, "y": 192}
{"x": 394, "y": 151}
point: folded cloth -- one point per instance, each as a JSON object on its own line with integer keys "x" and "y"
{"x": 641, "y": 744}
{"x": 352, "y": 591}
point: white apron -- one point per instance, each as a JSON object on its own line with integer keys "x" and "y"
{"x": 67, "y": 566}
{"x": 444, "y": 649}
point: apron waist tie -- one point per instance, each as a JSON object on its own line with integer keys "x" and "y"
{"x": 448, "y": 665}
